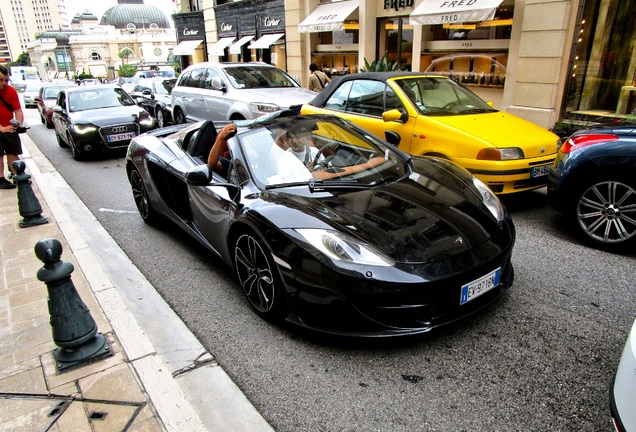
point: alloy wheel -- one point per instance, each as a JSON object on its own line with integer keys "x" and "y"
{"x": 140, "y": 195}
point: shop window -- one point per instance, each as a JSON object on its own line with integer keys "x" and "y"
{"x": 602, "y": 73}
{"x": 395, "y": 38}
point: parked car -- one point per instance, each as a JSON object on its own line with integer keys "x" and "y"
{"x": 127, "y": 83}
{"x": 97, "y": 119}
{"x": 364, "y": 240}
{"x": 154, "y": 95}
{"x": 31, "y": 91}
{"x": 429, "y": 114}
{"x": 623, "y": 389}
{"x": 90, "y": 81}
{"x": 592, "y": 183}
{"x": 47, "y": 99}
{"x": 234, "y": 91}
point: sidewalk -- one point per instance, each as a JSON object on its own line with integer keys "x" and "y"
{"x": 159, "y": 378}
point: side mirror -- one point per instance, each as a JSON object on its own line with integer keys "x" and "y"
{"x": 202, "y": 176}
{"x": 217, "y": 84}
{"x": 490, "y": 104}
{"x": 394, "y": 115}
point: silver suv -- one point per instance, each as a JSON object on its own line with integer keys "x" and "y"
{"x": 234, "y": 91}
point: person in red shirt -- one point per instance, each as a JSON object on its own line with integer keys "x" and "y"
{"x": 10, "y": 143}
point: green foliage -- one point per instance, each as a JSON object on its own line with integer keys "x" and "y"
{"x": 127, "y": 70}
{"x": 125, "y": 54}
{"x": 380, "y": 65}
{"x": 23, "y": 60}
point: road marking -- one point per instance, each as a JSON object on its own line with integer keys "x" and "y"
{"x": 116, "y": 211}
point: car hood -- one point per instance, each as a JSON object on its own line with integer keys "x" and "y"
{"x": 283, "y": 97}
{"x": 108, "y": 116}
{"x": 420, "y": 219}
{"x": 500, "y": 129}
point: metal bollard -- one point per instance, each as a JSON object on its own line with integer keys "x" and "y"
{"x": 28, "y": 204}
{"x": 74, "y": 329}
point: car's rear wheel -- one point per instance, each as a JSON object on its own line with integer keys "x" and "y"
{"x": 605, "y": 212}
{"x": 259, "y": 278}
{"x": 179, "y": 117}
{"x": 142, "y": 200}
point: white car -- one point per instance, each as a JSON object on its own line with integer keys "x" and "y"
{"x": 31, "y": 91}
{"x": 234, "y": 91}
{"x": 623, "y": 388}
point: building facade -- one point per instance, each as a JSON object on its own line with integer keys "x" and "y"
{"x": 544, "y": 60}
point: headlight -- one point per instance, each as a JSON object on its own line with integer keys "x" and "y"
{"x": 341, "y": 247}
{"x": 264, "y": 107}
{"x": 146, "y": 121}
{"x": 500, "y": 154}
{"x": 84, "y": 129}
{"x": 490, "y": 200}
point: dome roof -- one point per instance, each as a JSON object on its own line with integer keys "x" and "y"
{"x": 129, "y": 13}
{"x": 60, "y": 36}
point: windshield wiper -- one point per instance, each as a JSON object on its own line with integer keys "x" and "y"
{"x": 477, "y": 111}
{"x": 321, "y": 185}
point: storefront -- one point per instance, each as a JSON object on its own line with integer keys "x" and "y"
{"x": 251, "y": 31}
{"x": 602, "y": 69}
{"x": 191, "y": 41}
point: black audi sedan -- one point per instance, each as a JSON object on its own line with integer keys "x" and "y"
{"x": 592, "y": 183}
{"x": 326, "y": 226}
{"x": 96, "y": 119}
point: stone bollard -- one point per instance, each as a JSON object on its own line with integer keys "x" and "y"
{"x": 28, "y": 204}
{"x": 74, "y": 329}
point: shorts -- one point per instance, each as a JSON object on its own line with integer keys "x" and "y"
{"x": 10, "y": 144}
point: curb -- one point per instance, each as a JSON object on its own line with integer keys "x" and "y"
{"x": 187, "y": 387}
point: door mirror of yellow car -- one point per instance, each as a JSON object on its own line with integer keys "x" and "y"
{"x": 392, "y": 115}
{"x": 490, "y": 104}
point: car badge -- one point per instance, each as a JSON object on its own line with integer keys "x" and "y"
{"x": 459, "y": 240}
{"x": 542, "y": 149}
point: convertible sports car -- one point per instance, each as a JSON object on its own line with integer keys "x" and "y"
{"x": 361, "y": 239}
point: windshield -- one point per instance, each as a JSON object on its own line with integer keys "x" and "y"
{"x": 318, "y": 151}
{"x": 442, "y": 96}
{"x": 98, "y": 98}
{"x": 254, "y": 77}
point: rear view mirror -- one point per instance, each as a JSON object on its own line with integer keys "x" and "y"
{"x": 394, "y": 115}
{"x": 217, "y": 84}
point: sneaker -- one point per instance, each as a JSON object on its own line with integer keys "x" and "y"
{"x": 6, "y": 184}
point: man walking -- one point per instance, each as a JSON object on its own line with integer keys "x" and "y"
{"x": 318, "y": 80}
{"x": 10, "y": 144}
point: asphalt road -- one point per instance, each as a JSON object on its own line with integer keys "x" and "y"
{"x": 540, "y": 359}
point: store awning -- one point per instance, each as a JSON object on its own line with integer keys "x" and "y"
{"x": 97, "y": 70}
{"x": 265, "y": 41}
{"x": 454, "y": 12}
{"x": 218, "y": 49}
{"x": 186, "y": 47}
{"x": 236, "y": 46}
{"x": 328, "y": 16}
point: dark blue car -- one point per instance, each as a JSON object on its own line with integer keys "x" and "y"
{"x": 593, "y": 183}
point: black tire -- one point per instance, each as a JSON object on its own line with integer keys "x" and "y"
{"x": 259, "y": 278}
{"x": 179, "y": 117}
{"x": 142, "y": 200}
{"x": 161, "y": 122}
{"x": 605, "y": 212}
{"x": 60, "y": 141}
{"x": 77, "y": 155}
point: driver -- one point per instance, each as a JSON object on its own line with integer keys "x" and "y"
{"x": 301, "y": 147}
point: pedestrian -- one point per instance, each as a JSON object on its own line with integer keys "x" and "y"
{"x": 10, "y": 119}
{"x": 318, "y": 80}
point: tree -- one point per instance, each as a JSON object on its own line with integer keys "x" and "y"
{"x": 379, "y": 65}
{"x": 127, "y": 70}
{"x": 125, "y": 54}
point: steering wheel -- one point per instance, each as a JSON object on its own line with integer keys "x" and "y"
{"x": 321, "y": 153}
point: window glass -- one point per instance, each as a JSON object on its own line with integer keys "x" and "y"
{"x": 391, "y": 100}
{"x": 367, "y": 97}
{"x": 184, "y": 78}
{"x": 338, "y": 99}
{"x": 197, "y": 78}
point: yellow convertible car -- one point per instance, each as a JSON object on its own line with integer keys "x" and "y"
{"x": 428, "y": 114}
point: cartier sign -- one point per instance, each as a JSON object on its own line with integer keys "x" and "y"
{"x": 189, "y": 32}
{"x": 226, "y": 27}
{"x": 271, "y": 22}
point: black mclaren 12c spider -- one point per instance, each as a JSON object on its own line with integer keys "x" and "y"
{"x": 328, "y": 227}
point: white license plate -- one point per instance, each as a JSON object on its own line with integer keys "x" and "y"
{"x": 540, "y": 171}
{"x": 474, "y": 289}
{"x": 120, "y": 137}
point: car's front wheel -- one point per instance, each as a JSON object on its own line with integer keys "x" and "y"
{"x": 142, "y": 200}
{"x": 161, "y": 121}
{"x": 605, "y": 212}
{"x": 259, "y": 278}
{"x": 179, "y": 116}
